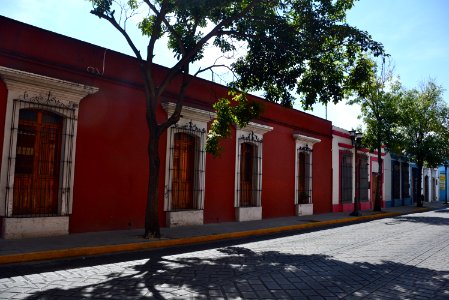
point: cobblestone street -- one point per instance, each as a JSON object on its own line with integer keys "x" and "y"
{"x": 396, "y": 258}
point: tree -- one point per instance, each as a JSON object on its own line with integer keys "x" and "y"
{"x": 378, "y": 99}
{"x": 292, "y": 46}
{"x": 424, "y": 127}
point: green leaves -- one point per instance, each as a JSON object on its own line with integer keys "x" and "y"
{"x": 293, "y": 48}
{"x": 234, "y": 111}
{"x": 424, "y": 123}
{"x": 146, "y": 25}
{"x": 304, "y": 48}
{"x": 101, "y": 7}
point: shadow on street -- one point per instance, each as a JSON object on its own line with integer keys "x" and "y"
{"x": 234, "y": 272}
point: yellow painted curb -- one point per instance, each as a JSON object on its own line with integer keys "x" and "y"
{"x": 107, "y": 249}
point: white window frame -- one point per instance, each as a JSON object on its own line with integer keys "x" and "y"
{"x": 256, "y": 131}
{"x": 189, "y": 117}
{"x": 304, "y": 142}
{"x": 32, "y": 90}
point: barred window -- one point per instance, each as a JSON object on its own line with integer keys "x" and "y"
{"x": 249, "y": 171}
{"x": 37, "y": 169}
{"x": 346, "y": 177}
{"x": 405, "y": 180}
{"x": 248, "y": 175}
{"x": 396, "y": 175}
{"x": 43, "y": 134}
{"x": 304, "y": 177}
{"x": 363, "y": 177}
{"x": 186, "y": 167}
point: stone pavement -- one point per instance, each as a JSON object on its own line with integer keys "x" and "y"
{"x": 96, "y": 243}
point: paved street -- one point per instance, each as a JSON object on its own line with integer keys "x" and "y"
{"x": 397, "y": 258}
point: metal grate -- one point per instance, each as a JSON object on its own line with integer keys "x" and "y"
{"x": 249, "y": 173}
{"x": 40, "y": 153}
{"x": 395, "y": 178}
{"x": 363, "y": 177}
{"x": 415, "y": 193}
{"x": 346, "y": 177}
{"x": 186, "y": 167}
{"x": 405, "y": 180}
{"x": 304, "y": 178}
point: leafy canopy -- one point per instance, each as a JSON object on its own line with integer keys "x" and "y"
{"x": 424, "y": 125}
{"x": 292, "y": 48}
{"x": 379, "y": 98}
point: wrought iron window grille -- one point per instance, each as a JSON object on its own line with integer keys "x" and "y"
{"x": 189, "y": 127}
{"x": 396, "y": 179}
{"x": 249, "y": 172}
{"x": 305, "y": 148}
{"x": 28, "y": 203}
{"x": 363, "y": 177}
{"x": 49, "y": 100}
{"x": 186, "y": 167}
{"x": 405, "y": 178}
{"x": 304, "y": 175}
{"x": 251, "y": 137}
{"x": 346, "y": 177}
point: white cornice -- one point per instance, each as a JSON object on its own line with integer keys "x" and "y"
{"x": 34, "y": 84}
{"x": 307, "y": 139}
{"x": 257, "y": 128}
{"x": 190, "y": 113}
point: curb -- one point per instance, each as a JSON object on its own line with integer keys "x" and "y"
{"x": 110, "y": 249}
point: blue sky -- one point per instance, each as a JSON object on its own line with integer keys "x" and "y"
{"x": 414, "y": 32}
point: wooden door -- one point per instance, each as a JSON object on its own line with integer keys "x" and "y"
{"x": 37, "y": 168}
{"x": 183, "y": 171}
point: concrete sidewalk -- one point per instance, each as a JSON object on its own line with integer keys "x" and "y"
{"x": 95, "y": 243}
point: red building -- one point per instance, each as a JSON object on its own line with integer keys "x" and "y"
{"x": 74, "y": 146}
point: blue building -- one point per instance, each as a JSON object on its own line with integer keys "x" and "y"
{"x": 444, "y": 182}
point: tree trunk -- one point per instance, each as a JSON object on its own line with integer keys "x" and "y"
{"x": 152, "y": 228}
{"x": 377, "y": 201}
{"x": 419, "y": 202}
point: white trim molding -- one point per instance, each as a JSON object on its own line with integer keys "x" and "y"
{"x": 304, "y": 143}
{"x": 194, "y": 121}
{"x": 252, "y": 133}
{"x": 29, "y": 90}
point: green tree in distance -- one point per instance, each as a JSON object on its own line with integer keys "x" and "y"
{"x": 301, "y": 47}
{"x": 424, "y": 128}
{"x": 378, "y": 99}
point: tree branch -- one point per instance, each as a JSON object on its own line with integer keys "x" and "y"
{"x": 176, "y": 69}
{"x": 170, "y": 28}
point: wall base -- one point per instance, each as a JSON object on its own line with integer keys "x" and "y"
{"x": 304, "y": 209}
{"x": 184, "y": 218}
{"x": 349, "y": 207}
{"x": 248, "y": 213}
{"x": 17, "y": 228}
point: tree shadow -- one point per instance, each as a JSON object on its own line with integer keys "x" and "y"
{"x": 237, "y": 272}
{"x": 436, "y": 217}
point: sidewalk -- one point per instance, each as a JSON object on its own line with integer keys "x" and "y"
{"x": 94, "y": 243}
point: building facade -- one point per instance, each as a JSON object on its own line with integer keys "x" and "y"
{"x": 74, "y": 146}
{"x": 354, "y": 174}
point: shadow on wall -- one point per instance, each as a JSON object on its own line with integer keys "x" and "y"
{"x": 234, "y": 272}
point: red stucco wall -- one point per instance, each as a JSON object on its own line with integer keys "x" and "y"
{"x": 111, "y": 171}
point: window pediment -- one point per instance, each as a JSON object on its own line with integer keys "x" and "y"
{"x": 41, "y": 89}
